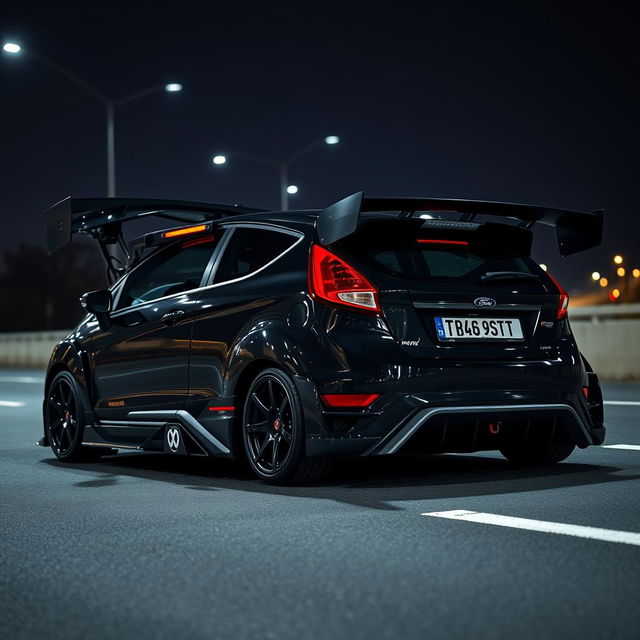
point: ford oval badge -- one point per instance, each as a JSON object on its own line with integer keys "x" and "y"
{"x": 484, "y": 303}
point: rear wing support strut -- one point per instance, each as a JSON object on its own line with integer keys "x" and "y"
{"x": 102, "y": 219}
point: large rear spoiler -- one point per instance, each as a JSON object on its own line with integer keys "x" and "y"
{"x": 575, "y": 230}
{"x": 102, "y": 219}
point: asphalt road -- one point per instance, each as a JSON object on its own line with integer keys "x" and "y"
{"x": 144, "y": 546}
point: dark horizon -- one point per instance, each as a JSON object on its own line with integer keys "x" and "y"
{"x": 532, "y": 103}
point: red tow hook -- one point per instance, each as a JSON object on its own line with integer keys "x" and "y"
{"x": 494, "y": 427}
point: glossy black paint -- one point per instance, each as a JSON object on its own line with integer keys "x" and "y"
{"x": 207, "y": 357}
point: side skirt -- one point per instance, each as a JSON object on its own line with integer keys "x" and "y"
{"x": 146, "y": 431}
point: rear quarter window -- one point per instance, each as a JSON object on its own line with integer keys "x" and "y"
{"x": 251, "y": 249}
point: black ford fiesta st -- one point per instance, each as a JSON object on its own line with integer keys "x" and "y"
{"x": 372, "y": 327}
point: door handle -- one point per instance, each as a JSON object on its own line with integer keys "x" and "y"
{"x": 173, "y": 317}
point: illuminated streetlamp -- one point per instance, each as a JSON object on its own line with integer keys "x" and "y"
{"x": 604, "y": 282}
{"x": 595, "y": 276}
{"x": 109, "y": 105}
{"x": 620, "y": 271}
{"x": 617, "y": 259}
{"x": 286, "y": 189}
{"x": 11, "y": 47}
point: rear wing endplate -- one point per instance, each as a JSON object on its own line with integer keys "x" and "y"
{"x": 575, "y": 231}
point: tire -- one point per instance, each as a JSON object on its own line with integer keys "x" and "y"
{"x": 542, "y": 453}
{"x": 64, "y": 419}
{"x": 273, "y": 432}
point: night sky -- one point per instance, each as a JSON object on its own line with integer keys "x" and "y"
{"x": 532, "y": 102}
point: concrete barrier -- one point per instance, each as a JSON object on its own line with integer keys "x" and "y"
{"x": 28, "y": 348}
{"x": 608, "y": 335}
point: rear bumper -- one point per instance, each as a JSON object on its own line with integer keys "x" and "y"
{"x": 579, "y": 430}
{"x": 420, "y": 422}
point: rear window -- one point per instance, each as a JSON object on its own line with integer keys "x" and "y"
{"x": 408, "y": 251}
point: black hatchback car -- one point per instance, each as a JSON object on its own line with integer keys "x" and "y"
{"x": 372, "y": 327}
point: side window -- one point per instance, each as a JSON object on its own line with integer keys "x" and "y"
{"x": 249, "y": 249}
{"x": 179, "y": 268}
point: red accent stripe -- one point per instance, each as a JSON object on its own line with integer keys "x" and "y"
{"x": 349, "y": 399}
{"x": 430, "y": 241}
{"x": 222, "y": 408}
{"x": 196, "y": 241}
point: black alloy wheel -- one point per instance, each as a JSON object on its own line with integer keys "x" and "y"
{"x": 273, "y": 432}
{"x": 63, "y": 415}
{"x": 268, "y": 425}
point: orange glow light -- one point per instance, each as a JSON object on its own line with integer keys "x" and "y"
{"x": 185, "y": 231}
{"x": 615, "y": 294}
{"x": 604, "y": 282}
{"x": 620, "y": 271}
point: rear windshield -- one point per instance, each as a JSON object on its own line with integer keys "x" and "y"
{"x": 411, "y": 252}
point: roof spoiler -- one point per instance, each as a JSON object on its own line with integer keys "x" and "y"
{"x": 575, "y": 231}
{"x": 102, "y": 219}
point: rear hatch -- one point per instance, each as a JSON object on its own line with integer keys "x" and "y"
{"x": 458, "y": 290}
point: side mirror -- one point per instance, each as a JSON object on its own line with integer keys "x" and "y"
{"x": 99, "y": 303}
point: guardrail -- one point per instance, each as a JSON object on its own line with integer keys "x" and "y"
{"x": 608, "y": 335}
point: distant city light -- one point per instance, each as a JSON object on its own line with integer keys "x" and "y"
{"x": 620, "y": 271}
{"x": 543, "y": 267}
{"x": 332, "y": 139}
{"x": 615, "y": 294}
{"x": 291, "y": 189}
{"x": 617, "y": 259}
{"x": 604, "y": 282}
{"x": 219, "y": 159}
{"x": 173, "y": 87}
{"x": 636, "y": 273}
{"x": 11, "y": 47}
{"x": 595, "y": 276}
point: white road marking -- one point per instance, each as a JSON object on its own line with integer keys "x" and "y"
{"x": 630, "y": 447}
{"x": 608, "y": 535}
{"x": 11, "y": 403}
{"x": 624, "y": 403}
{"x": 25, "y": 379}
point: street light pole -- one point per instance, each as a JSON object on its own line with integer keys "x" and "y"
{"x": 283, "y": 167}
{"x": 110, "y": 106}
{"x": 284, "y": 183}
{"x": 111, "y": 151}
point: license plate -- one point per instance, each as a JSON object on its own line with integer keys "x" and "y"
{"x": 479, "y": 329}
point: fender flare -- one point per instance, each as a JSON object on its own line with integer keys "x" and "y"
{"x": 67, "y": 357}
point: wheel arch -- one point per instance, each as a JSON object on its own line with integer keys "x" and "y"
{"x": 66, "y": 357}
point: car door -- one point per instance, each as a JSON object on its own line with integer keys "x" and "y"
{"x": 141, "y": 361}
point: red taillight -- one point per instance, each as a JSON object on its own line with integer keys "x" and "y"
{"x": 349, "y": 399}
{"x": 464, "y": 243}
{"x": 585, "y": 391}
{"x": 563, "y": 303}
{"x": 333, "y": 280}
